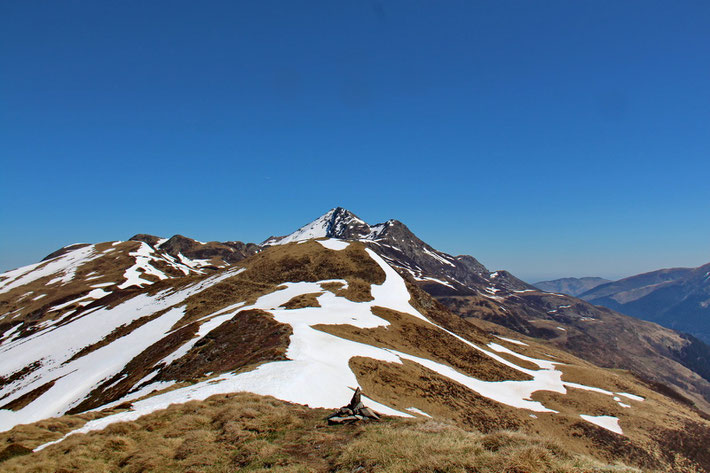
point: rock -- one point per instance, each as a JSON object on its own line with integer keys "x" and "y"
{"x": 353, "y": 412}
{"x": 367, "y": 412}
{"x": 344, "y": 420}
{"x": 355, "y": 401}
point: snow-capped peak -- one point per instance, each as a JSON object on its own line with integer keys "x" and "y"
{"x": 336, "y": 223}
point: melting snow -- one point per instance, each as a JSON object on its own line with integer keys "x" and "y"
{"x": 517, "y": 342}
{"x": 607, "y": 422}
{"x": 55, "y": 345}
{"x": 438, "y": 257}
{"x": 193, "y": 263}
{"x": 142, "y": 266}
{"x": 104, "y": 284}
{"x": 445, "y": 283}
{"x": 65, "y": 266}
{"x": 333, "y": 244}
{"x": 144, "y": 255}
{"x": 633, "y": 397}
{"x": 417, "y": 411}
{"x": 316, "y": 229}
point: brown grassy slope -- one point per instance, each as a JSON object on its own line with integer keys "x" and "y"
{"x": 660, "y": 432}
{"x": 596, "y": 334}
{"x": 409, "y": 385}
{"x": 416, "y": 337}
{"x": 657, "y": 430}
{"x": 245, "y": 432}
{"x": 268, "y": 269}
{"x": 649, "y": 426}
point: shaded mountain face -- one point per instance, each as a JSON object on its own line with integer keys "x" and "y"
{"x": 677, "y": 298}
{"x": 571, "y": 286}
{"x": 125, "y": 330}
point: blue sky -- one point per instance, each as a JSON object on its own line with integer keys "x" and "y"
{"x": 548, "y": 138}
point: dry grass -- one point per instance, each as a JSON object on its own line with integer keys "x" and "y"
{"x": 245, "y": 432}
{"x": 411, "y": 335}
{"x": 303, "y": 300}
{"x": 428, "y": 446}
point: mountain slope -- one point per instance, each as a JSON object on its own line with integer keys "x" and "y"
{"x": 677, "y": 298}
{"x": 306, "y": 323}
{"x": 247, "y": 432}
{"x": 571, "y": 286}
{"x": 470, "y": 290}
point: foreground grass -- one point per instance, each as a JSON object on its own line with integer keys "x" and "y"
{"x": 245, "y": 432}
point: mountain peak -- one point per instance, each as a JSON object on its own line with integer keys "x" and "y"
{"x": 336, "y": 223}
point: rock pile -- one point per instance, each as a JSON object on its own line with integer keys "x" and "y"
{"x": 353, "y": 412}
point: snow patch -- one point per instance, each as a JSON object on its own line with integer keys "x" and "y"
{"x": 417, "y": 411}
{"x": 439, "y": 281}
{"x": 633, "y": 397}
{"x": 607, "y": 422}
{"x": 438, "y": 257}
{"x": 517, "y": 342}
{"x": 334, "y": 244}
{"x": 64, "y": 266}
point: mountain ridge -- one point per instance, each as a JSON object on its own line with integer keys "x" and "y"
{"x": 470, "y": 290}
{"x": 129, "y": 327}
{"x": 677, "y": 298}
{"x": 571, "y": 286}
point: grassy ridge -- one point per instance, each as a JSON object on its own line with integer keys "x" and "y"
{"x": 246, "y": 432}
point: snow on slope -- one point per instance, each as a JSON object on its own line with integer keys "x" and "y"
{"x": 316, "y": 229}
{"x": 54, "y": 346}
{"x": 607, "y": 422}
{"x": 144, "y": 256}
{"x": 63, "y": 266}
{"x": 317, "y": 371}
{"x": 336, "y": 222}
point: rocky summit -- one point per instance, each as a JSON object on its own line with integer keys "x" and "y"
{"x": 101, "y": 342}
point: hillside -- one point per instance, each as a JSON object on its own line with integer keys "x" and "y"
{"x": 470, "y": 290}
{"x": 255, "y": 433}
{"x": 570, "y": 286}
{"x": 678, "y": 298}
{"x": 117, "y": 331}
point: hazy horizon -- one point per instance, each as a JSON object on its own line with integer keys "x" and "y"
{"x": 553, "y": 139}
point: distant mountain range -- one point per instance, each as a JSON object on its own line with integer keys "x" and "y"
{"x": 571, "y": 286}
{"x": 677, "y": 298}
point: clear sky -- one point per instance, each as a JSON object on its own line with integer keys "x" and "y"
{"x": 549, "y": 138}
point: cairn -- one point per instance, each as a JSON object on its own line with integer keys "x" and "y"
{"x": 353, "y": 412}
